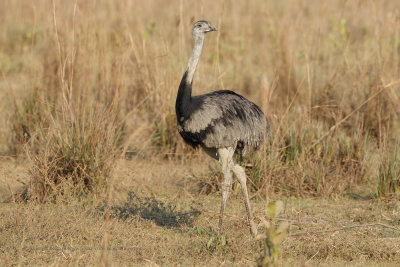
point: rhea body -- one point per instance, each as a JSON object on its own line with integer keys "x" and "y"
{"x": 221, "y": 122}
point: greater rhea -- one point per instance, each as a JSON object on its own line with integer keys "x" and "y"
{"x": 221, "y": 122}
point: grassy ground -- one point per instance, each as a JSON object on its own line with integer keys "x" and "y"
{"x": 84, "y": 84}
{"x": 142, "y": 230}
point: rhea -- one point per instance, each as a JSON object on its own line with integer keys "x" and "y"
{"x": 221, "y": 122}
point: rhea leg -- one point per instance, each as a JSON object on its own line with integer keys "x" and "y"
{"x": 241, "y": 176}
{"x": 225, "y": 157}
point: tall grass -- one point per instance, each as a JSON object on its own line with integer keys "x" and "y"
{"x": 333, "y": 67}
{"x": 389, "y": 172}
{"x": 71, "y": 131}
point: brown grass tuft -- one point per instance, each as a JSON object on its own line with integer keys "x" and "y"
{"x": 74, "y": 158}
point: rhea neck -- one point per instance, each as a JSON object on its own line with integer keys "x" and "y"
{"x": 185, "y": 87}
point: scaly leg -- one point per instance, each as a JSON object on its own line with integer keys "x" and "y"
{"x": 225, "y": 157}
{"x": 241, "y": 176}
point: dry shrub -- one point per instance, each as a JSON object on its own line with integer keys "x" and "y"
{"x": 74, "y": 157}
{"x": 210, "y": 182}
{"x": 389, "y": 172}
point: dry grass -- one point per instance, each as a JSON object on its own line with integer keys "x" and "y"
{"x": 143, "y": 230}
{"x": 84, "y": 82}
{"x": 332, "y": 96}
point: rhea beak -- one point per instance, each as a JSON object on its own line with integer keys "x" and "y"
{"x": 212, "y": 28}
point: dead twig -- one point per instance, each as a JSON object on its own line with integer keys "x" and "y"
{"x": 344, "y": 228}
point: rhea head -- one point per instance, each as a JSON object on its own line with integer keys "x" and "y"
{"x": 201, "y": 27}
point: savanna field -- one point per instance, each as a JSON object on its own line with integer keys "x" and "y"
{"x": 94, "y": 172}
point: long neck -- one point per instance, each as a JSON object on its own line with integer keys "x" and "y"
{"x": 185, "y": 87}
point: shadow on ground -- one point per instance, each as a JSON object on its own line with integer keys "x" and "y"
{"x": 148, "y": 208}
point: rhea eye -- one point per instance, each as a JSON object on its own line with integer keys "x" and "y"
{"x": 198, "y": 25}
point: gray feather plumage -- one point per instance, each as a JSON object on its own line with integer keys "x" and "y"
{"x": 226, "y": 119}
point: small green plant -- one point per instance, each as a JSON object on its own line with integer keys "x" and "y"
{"x": 274, "y": 234}
{"x": 215, "y": 240}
